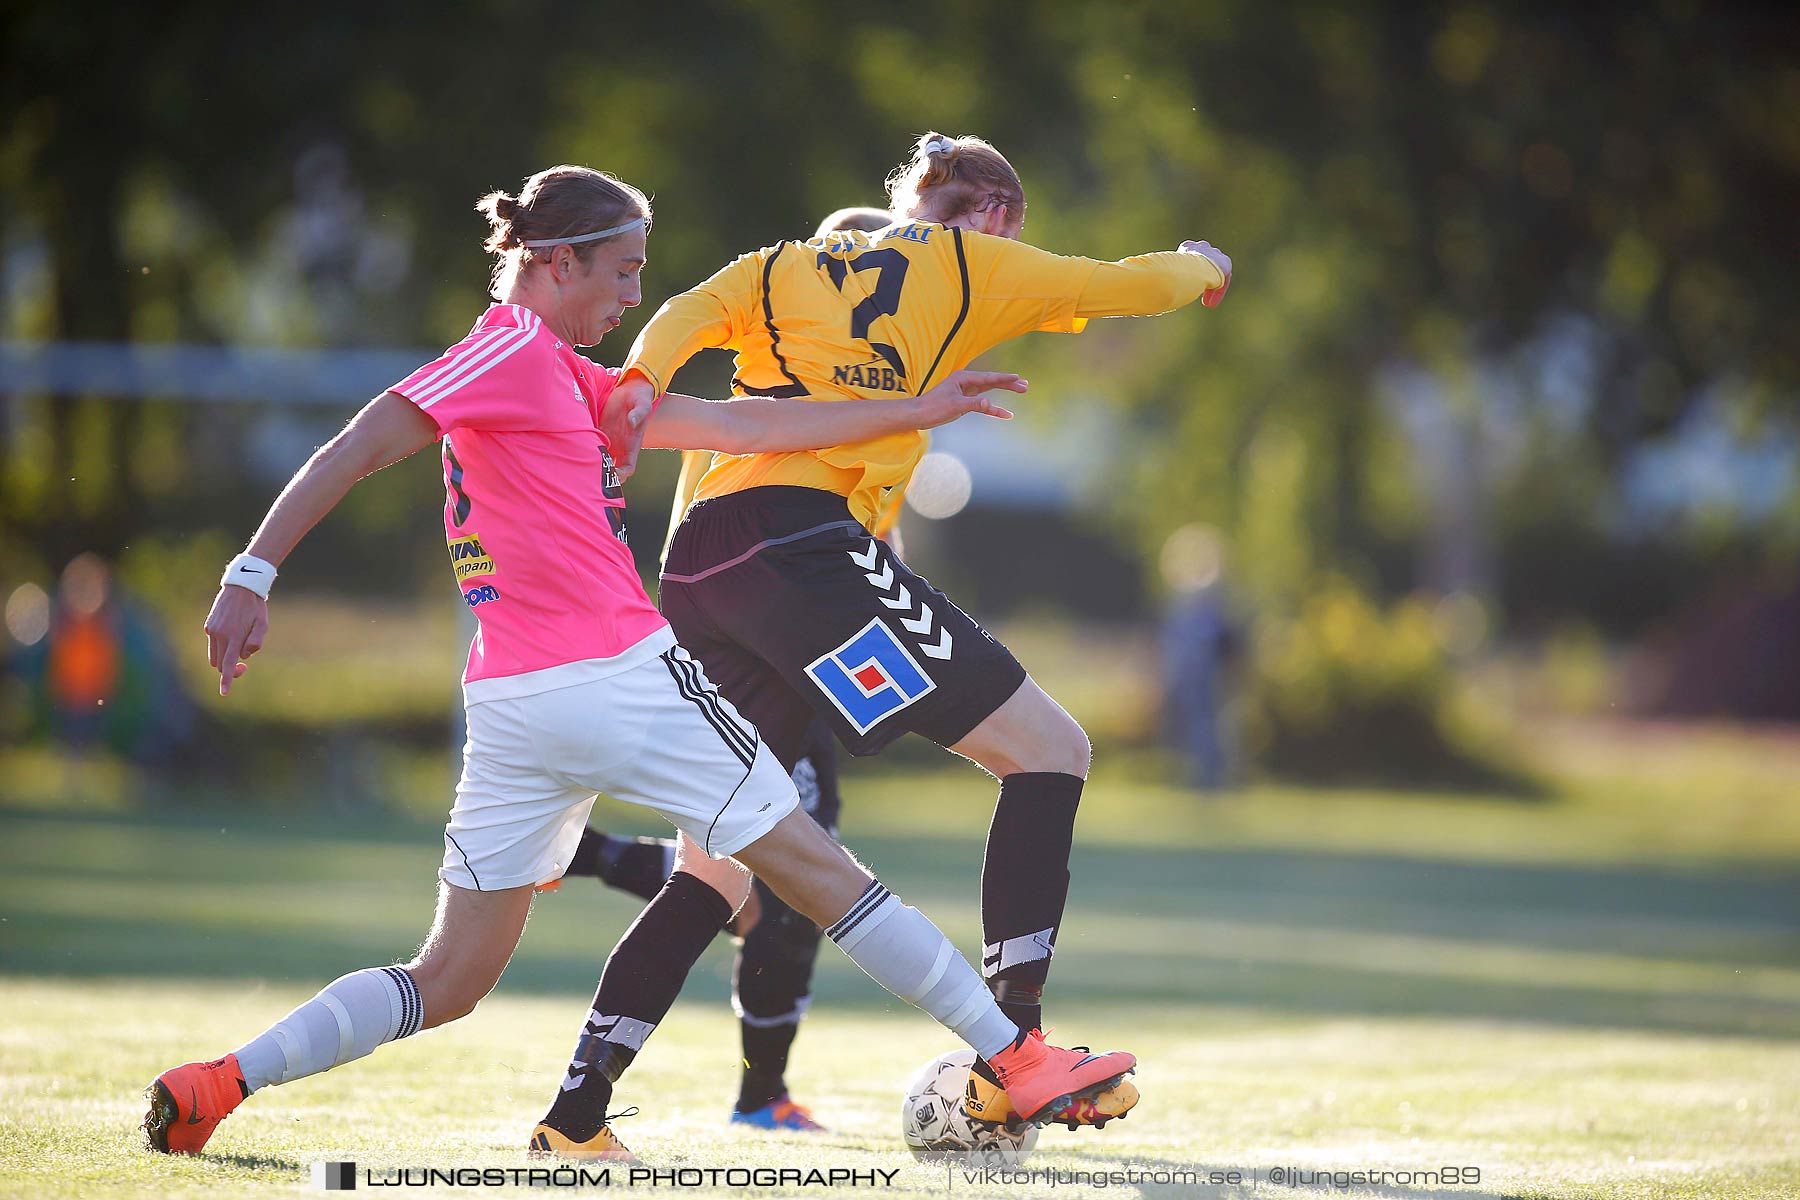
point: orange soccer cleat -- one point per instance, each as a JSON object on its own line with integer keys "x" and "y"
{"x": 1044, "y": 1083}
{"x": 548, "y": 1143}
{"x": 188, "y": 1102}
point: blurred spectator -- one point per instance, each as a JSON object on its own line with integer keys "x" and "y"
{"x": 96, "y": 666}
{"x": 1734, "y": 655}
{"x": 1200, "y": 647}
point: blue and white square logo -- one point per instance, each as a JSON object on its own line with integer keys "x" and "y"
{"x": 871, "y": 677}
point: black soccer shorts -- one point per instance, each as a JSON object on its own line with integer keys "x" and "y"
{"x": 794, "y": 608}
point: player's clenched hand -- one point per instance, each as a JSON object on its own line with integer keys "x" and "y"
{"x": 622, "y": 420}
{"x": 1211, "y": 296}
{"x": 235, "y": 629}
{"x": 964, "y": 392}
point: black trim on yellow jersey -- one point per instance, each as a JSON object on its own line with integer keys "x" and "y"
{"x": 962, "y": 264}
{"x": 795, "y": 387}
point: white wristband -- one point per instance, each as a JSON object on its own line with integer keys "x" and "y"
{"x": 249, "y": 571}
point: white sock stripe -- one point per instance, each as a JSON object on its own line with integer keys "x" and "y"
{"x": 292, "y": 1052}
{"x": 625, "y": 1031}
{"x": 1029, "y": 947}
{"x": 392, "y": 974}
{"x": 396, "y": 1006}
{"x": 870, "y": 897}
{"x": 945, "y": 953}
{"x": 346, "y": 1030}
{"x": 969, "y": 1008}
{"x": 412, "y": 1006}
{"x": 871, "y": 919}
{"x": 831, "y": 929}
{"x": 791, "y": 1017}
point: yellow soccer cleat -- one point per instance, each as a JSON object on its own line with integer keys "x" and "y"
{"x": 548, "y": 1143}
{"x": 987, "y": 1103}
{"x": 1103, "y": 1106}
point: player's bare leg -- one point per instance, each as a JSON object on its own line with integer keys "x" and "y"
{"x": 471, "y": 939}
{"x": 1041, "y": 756}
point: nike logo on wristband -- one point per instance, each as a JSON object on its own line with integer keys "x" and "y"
{"x": 249, "y": 571}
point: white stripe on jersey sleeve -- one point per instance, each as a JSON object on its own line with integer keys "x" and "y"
{"x": 474, "y": 367}
{"x": 525, "y": 317}
{"x": 455, "y": 357}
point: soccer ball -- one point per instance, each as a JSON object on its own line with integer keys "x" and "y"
{"x": 933, "y": 1122}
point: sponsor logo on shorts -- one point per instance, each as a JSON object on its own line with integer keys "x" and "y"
{"x": 468, "y": 559}
{"x": 482, "y": 594}
{"x": 871, "y": 677}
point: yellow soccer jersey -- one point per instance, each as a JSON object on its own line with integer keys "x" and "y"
{"x": 694, "y": 465}
{"x": 854, "y": 315}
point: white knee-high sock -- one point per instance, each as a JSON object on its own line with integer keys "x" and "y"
{"x": 905, "y": 953}
{"x": 346, "y": 1020}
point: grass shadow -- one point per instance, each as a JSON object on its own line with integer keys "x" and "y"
{"x": 304, "y": 896}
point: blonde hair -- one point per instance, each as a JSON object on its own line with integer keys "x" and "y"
{"x": 563, "y": 201}
{"x": 866, "y": 219}
{"x": 951, "y": 176}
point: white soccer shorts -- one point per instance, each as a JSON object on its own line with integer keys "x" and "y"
{"x": 656, "y": 734}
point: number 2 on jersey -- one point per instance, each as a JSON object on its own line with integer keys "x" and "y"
{"x": 882, "y": 301}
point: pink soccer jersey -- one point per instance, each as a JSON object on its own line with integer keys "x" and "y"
{"x": 533, "y": 509}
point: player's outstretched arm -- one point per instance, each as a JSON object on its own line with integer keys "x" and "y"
{"x": 710, "y": 315}
{"x": 1218, "y": 258}
{"x": 1147, "y": 284}
{"x": 756, "y": 424}
{"x": 389, "y": 428}
{"x": 1031, "y": 288}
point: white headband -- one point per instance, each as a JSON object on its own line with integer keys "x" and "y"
{"x": 939, "y": 145}
{"x": 540, "y": 243}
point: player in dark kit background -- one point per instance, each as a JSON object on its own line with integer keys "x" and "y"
{"x": 775, "y": 580}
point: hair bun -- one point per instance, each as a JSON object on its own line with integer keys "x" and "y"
{"x": 507, "y": 208}
{"x": 937, "y": 143}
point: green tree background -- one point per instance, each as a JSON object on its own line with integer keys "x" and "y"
{"x": 1577, "y": 222}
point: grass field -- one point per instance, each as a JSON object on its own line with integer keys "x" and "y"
{"x": 1595, "y": 996}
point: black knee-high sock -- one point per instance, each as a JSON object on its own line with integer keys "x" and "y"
{"x": 771, "y": 985}
{"x": 1024, "y": 885}
{"x": 643, "y": 975}
{"x": 635, "y": 865}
